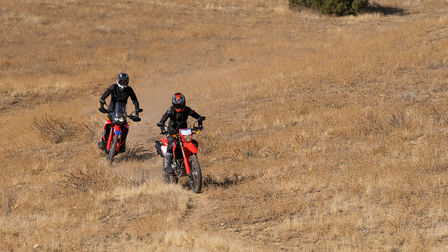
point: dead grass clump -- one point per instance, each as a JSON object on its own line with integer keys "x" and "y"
{"x": 57, "y": 129}
{"x": 440, "y": 115}
{"x": 246, "y": 148}
{"x": 90, "y": 178}
{"x": 397, "y": 119}
{"x": 305, "y": 141}
{"x": 384, "y": 122}
{"x": 228, "y": 181}
{"x": 9, "y": 200}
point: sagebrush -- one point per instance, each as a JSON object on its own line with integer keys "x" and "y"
{"x": 336, "y": 7}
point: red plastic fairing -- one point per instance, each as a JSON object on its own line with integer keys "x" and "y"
{"x": 118, "y": 144}
{"x": 108, "y": 122}
{"x": 109, "y": 141}
{"x": 174, "y": 148}
{"x": 191, "y": 147}
{"x": 187, "y": 165}
{"x": 188, "y": 150}
{"x": 164, "y": 141}
{"x": 117, "y": 128}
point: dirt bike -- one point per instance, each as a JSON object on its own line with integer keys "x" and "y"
{"x": 117, "y": 129}
{"x": 185, "y": 161}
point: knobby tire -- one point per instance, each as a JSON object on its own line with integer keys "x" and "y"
{"x": 195, "y": 175}
{"x": 113, "y": 149}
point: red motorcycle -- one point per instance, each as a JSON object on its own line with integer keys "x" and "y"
{"x": 113, "y": 137}
{"x": 185, "y": 161}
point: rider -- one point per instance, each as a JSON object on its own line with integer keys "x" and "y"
{"x": 178, "y": 115}
{"x": 120, "y": 92}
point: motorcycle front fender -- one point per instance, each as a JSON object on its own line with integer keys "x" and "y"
{"x": 191, "y": 147}
{"x": 117, "y": 130}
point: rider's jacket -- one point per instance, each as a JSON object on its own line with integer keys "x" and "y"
{"x": 178, "y": 120}
{"x": 119, "y": 95}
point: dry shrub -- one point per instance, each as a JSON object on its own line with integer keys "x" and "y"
{"x": 333, "y": 7}
{"x": 90, "y": 178}
{"x": 57, "y": 129}
{"x": 305, "y": 141}
{"x": 384, "y": 122}
{"x": 227, "y": 181}
{"x": 246, "y": 148}
{"x": 440, "y": 114}
{"x": 9, "y": 199}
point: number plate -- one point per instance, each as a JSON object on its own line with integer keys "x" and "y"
{"x": 185, "y": 132}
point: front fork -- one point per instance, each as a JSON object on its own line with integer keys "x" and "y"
{"x": 186, "y": 163}
{"x": 116, "y": 130}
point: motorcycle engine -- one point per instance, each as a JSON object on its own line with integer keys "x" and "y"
{"x": 177, "y": 169}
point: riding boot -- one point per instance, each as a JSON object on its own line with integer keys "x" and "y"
{"x": 123, "y": 147}
{"x": 167, "y": 163}
{"x": 101, "y": 144}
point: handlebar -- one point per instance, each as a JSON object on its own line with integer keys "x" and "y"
{"x": 194, "y": 130}
{"x": 131, "y": 116}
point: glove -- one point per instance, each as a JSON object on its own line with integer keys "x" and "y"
{"x": 138, "y": 110}
{"x": 103, "y": 110}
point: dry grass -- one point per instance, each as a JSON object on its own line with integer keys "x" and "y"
{"x": 322, "y": 133}
{"x": 58, "y": 129}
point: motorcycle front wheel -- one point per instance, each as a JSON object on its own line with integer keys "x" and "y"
{"x": 113, "y": 149}
{"x": 195, "y": 174}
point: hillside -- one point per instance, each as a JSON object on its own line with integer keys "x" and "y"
{"x": 322, "y": 133}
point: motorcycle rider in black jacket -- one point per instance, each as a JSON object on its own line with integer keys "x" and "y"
{"x": 119, "y": 92}
{"x": 178, "y": 114}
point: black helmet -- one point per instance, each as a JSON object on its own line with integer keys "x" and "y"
{"x": 178, "y": 101}
{"x": 123, "y": 79}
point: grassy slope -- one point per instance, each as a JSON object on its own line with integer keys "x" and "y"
{"x": 321, "y": 132}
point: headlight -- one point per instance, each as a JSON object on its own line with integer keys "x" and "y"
{"x": 187, "y": 138}
{"x": 119, "y": 119}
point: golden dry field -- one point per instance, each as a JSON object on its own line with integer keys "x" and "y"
{"x": 322, "y": 133}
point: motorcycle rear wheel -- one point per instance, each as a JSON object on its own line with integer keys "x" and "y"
{"x": 113, "y": 149}
{"x": 195, "y": 174}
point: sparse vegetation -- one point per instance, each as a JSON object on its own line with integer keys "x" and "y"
{"x": 337, "y": 7}
{"x": 321, "y": 134}
{"x": 57, "y": 129}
